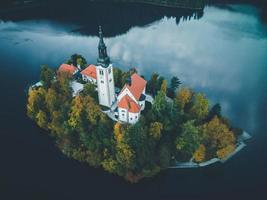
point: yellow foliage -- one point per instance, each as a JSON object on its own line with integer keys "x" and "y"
{"x": 224, "y": 152}
{"x": 155, "y": 130}
{"x": 218, "y": 134}
{"x": 117, "y": 132}
{"x": 184, "y": 96}
{"x": 200, "y": 153}
{"x": 163, "y": 87}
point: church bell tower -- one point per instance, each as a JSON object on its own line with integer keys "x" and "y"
{"x": 105, "y": 79}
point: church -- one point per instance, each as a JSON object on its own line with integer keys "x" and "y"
{"x": 125, "y": 107}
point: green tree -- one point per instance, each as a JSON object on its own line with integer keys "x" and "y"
{"x": 77, "y": 59}
{"x": 175, "y": 83}
{"x": 200, "y": 108}
{"x": 81, "y": 62}
{"x": 117, "y": 74}
{"x": 164, "y": 156}
{"x": 46, "y": 76}
{"x": 151, "y": 84}
{"x": 90, "y": 89}
{"x": 214, "y": 111}
{"x": 125, "y": 155}
{"x": 189, "y": 140}
{"x": 155, "y": 130}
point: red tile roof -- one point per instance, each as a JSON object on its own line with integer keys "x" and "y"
{"x": 137, "y": 85}
{"x": 129, "y": 104}
{"x": 90, "y": 71}
{"x": 67, "y": 68}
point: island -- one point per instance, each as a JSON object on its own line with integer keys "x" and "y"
{"x": 129, "y": 126}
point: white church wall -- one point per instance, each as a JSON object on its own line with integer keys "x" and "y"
{"x": 106, "y": 91}
{"x": 123, "y": 114}
{"x": 133, "y": 117}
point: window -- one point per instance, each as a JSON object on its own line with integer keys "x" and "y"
{"x": 131, "y": 119}
{"x": 101, "y": 72}
{"x": 123, "y": 111}
{"x": 109, "y": 70}
{"x": 135, "y": 117}
{"x": 110, "y": 80}
{"x": 123, "y": 114}
{"x": 102, "y": 81}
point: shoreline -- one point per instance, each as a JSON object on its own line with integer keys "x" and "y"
{"x": 190, "y": 164}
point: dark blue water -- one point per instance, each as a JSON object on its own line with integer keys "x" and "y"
{"x": 222, "y": 52}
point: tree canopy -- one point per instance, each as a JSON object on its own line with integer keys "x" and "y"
{"x": 173, "y": 129}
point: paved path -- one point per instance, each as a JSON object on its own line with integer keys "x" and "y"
{"x": 149, "y": 98}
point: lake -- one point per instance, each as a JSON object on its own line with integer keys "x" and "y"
{"x": 221, "y": 51}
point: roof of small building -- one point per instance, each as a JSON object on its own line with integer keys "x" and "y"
{"x": 137, "y": 86}
{"x": 67, "y": 68}
{"x": 129, "y": 104}
{"x": 90, "y": 71}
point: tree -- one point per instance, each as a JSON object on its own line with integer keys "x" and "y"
{"x": 155, "y": 130}
{"x": 93, "y": 112}
{"x": 41, "y": 119}
{"x": 56, "y": 124}
{"x": 125, "y": 155}
{"x": 35, "y": 102}
{"x": 158, "y": 84}
{"x": 118, "y": 132}
{"x": 214, "y": 111}
{"x": 117, "y": 74}
{"x": 110, "y": 165}
{"x": 163, "y": 87}
{"x": 151, "y": 85}
{"x": 200, "y": 107}
{"x": 199, "y": 154}
{"x": 77, "y": 116}
{"x": 46, "y": 76}
{"x": 52, "y": 100}
{"x": 217, "y": 135}
{"x": 90, "y": 89}
{"x": 175, "y": 83}
{"x": 164, "y": 156}
{"x": 224, "y": 152}
{"x": 63, "y": 86}
{"x": 189, "y": 140}
{"x": 76, "y": 60}
{"x": 183, "y": 97}
{"x": 81, "y": 62}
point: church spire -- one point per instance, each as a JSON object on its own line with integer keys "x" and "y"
{"x": 103, "y": 58}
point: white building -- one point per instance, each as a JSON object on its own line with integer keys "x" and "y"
{"x": 104, "y": 74}
{"x": 131, "y": 100}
